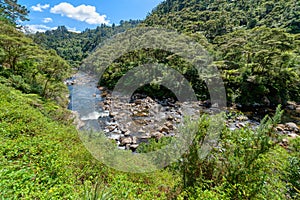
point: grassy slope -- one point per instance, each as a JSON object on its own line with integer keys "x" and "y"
{"x": 44, "y": 159}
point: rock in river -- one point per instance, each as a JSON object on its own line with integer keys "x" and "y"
{"x": 292, "y": 126}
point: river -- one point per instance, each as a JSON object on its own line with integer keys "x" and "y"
{"x": 86, "y": 99}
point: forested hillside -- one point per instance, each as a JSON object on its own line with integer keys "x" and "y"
{"x": 30, "y": 68}
{"x": 74, "y": 47}
{"x": 255, "y": 44}
{"x": 218, "y": 17}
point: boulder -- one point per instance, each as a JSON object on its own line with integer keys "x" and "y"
{"x": 280, "y": 127}
{"x": 178, "y": 120}
{"x": 170, "y": 118}
{"x": 293, "y": 135}
{"x": 134, "y": 140}
{"x": 285, "y": 142}
{"x": 123, "y": 129}
{"x": 164, "y": 129}
{"x": 242, "y": 118}
{"x": 169, "y": 125}
{"x": 157, "y": 135}
{"x": 291, "y": 126}
{"x": 127, "y": 133}
{"x": 100, "y": 88}
{"x": 291, "y": 105}
{"x": 106, "y": 107}
{"x": 240, "y": 125}
{"x": 134, "y": 146}
{"x": 138, "y": 101}
{"x": 111, "y": 128}
{"x": 141, "y": 114}
{"x": 298, "y": 109}
{"x": 113, "y": 114}
{"x": 104, "y": 93}
{"x": 126, "y": 140}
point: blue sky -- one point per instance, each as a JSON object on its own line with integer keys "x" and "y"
{"x": 77, "y": 15}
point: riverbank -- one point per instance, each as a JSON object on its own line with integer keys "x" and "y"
{"x": 142, "y": 118}
{"x": 139, "y": 118}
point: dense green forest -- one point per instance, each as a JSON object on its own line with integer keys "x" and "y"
{"x": 74, "y": 47}
{"x": 255, "y": 44}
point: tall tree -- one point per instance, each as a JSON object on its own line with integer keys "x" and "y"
{"x": 12, "y": 11}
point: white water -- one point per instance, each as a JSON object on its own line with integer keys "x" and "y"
{"x": 95, "y": 115}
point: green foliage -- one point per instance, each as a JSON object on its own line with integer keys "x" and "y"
{"x": 41, "y": 154}
{"x": 260, "y": 65}
{"x": 153, "y": 145}
{"x": 293, "y": 170}
{"x": 74, "y": 47}
{"x": 244, "y": 164}
{"x": 32, "y": 160}
{"x": 11, "y": 11}
{"x": 255, "y": 44}
{"x": 28, "y": 67}
{"x": 42, "y": 157}
{"x": 96, "y": 193}
{"x": 218, "y": 17}
{"x": 162, "y": 59}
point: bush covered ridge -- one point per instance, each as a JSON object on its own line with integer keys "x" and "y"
{"x": 42, "y": 157}
{"x": 74, "y": 47}
{"x": 255, "y": 45}
{"x": 218, "y": 17}
{"x": 30, "y": 68}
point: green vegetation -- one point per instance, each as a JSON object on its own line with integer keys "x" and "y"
{"x": 42, "y": 157}
{"x": 74, "y": 47}
{"x": 11, "y": 11}
{"x": 254, "y": 44}
{"x": 29, "y": 68}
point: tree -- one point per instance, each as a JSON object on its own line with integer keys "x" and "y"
{"x": 12, "y": 11}
{"x": 265, "y": 60}
{"x": 54, "y": 69}
{"x": 13, "y": 44}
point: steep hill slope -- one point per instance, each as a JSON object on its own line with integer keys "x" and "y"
{"x": 218, "y": 17}
{"x": 255, "y": 45}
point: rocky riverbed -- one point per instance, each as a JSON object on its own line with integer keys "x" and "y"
{"x": 132, "y": 120}
{"x": 143, "y": 118}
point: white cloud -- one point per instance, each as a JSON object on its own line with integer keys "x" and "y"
{"x": 47, "y": 20}
{"x": 40, "y": 7}
{"x": 33, "y": 28}
{"x": 82, "y": 13}
{"x": 73, "y": 30}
